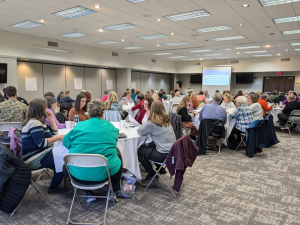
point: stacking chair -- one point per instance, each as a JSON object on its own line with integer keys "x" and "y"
{"x": 242, "y": 142}
{"x": 162, "y": 165}
{"x": 174, "y": 108}
{"x": 218, "y": 137}
{"x": 88, "y": 161}
{"x": 295, "y": 113}
{"x": 201, "y": 105}
{"x": 112, "y": 116}
{"x": 185, "y": 130}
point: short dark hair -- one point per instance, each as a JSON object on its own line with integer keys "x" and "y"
{"x": 77, "y": 103}
{"x": 201, "y": 93}
{"x": 274, "y": 92}
{"x": 11, "y": 91}
{"x": 49, "y": 94}
{"x": 105, "y": 92}
{"x": 140, "y": 96}
{"x": 132, "y": 90}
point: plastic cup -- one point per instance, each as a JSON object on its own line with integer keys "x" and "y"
{"x": 68, "y": 124}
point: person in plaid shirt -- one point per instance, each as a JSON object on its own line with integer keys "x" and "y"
{"x": 244, "y": 117}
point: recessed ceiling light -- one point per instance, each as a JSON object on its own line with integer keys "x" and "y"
{"x": 74, "y": 12}
{"x": 262, "y": 55}
{"x": 255, "y": 52}
{"x": 97, "y": 6}
{"x": 107, "y": 42}
{"x": 122, "y": 26}
{"x": 229, "y": 38}
{"x": 286, "y": 50}
{"x": 136, "y": 1}
{"x": 74, "y": 34}
{"x": 177, "y": 57}
{"x": 27, "y": 24}
{"x": 176, "y": 43}
{"x": 237, "y": 53}
{"x": 101, "y": 30}
{"x": 198, "y": 55}
{"x": 245, "y": 5}
{"x": 172, "y": 33}
{"x": 247, "y": 47}
{"x": 210, "y": 29}
{"x": 134, "y": 47}
{"x": 201, "y": 50}
{"x": 287, "y": 19}
{"x": 163, "y": 53}
{"x": 158, "y": 20}
{"x": 153, "y": 36}
{"x": 297, "y": 49}
{"x": 211, "y": 54}
{"x": 158, "y": 45}
{"x": 227, "y": 49}
{"x": 122, "y": 40}
{"x": 188, "y": 15}
{"x": 200, "y": 58}
{"x": 267, "y": 46}
{"x": 295, "y": 44}
{"x": 291, "y": 31}
{"x": 240, "y": 25}
{"x": 278, "y": 54}
{"x": 42, "y": 21}
{"x": 276, "y": 2}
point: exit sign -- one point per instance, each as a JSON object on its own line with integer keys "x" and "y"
{"x": 278, "y": 73}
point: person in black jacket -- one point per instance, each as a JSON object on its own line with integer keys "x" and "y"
{"x": 183, "y": 111}
{"x": 280, "y": 98}
{"x": 288, "y": 109}
{"x": 5, "y": 98}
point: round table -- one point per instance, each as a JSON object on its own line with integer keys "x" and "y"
{"x": 208, "y": 100}
{"x": 128, "y": 107}
{"x": 127, "y": 146}
{"x": 275, "y": 111}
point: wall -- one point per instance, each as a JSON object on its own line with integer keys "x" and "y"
{"x": 12, "y": 79}
{"x": 185, "y": 79}
{"x": 123, "y": 81}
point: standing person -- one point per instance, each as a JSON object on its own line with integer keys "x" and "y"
{"x": 206, "y": 94}
{"x": 80, "y": 109}
{"x": 201, "y": 97}
{"x": 255, "y": 107}
{"x": 264, "y": 105}
{"x": 176, "y": 88}
{"x": 288, "y": 109}
{"x": 133, "y": 94}
{"x": 240, "y": 93}
{"x": 158, "y": 126}
{"x": 126, "y": 98}
{"x": 65, "y": 99}
{"x": 105, "y": 96}
{"x": 38, "y": 140}
{"x": 228, "y": 102}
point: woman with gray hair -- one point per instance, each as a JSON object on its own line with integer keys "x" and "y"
{"x": 52, "y": 104}
{"x": 91, "y": 137}
{"x": 255, "y": 107}
{"x": 264, "y": 104}
{"x": 244, "y": 117}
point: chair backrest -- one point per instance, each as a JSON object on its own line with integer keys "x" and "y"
{"x": 5, "y": 126}
{"x": 112, "y": 116}
{"x": 295, "y": 113}
{"x": 201, "y": 106}
{"x": 174, "y": 108}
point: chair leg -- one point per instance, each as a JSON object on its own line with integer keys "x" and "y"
{"x": 220, "y": 145}
{"x": 69, "y": 215}
{"x": 36, "y": 187}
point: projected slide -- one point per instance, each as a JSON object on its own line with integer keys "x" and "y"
{"x": 216, "y": 77}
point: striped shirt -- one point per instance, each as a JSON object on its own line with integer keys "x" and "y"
{"x": 243, "y": 116}
{"x": 213, "y": 111}
{"x": 34, "y": 142}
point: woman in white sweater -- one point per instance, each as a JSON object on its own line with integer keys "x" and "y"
{"x": 228, "y": 102}
{"x": 255, "y": 107}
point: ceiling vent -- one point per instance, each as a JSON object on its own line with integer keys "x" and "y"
{"x": 197, "y": 63}
{"x": 285, "y": 59}
{"x": 153, "y": 60}
{"x": 234, "y": 61}
{"x": 115, "y": 54}
{"x": 52, "y": 44}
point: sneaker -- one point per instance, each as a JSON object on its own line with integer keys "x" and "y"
{"x": 149, "y": 178}
{"x": 91, "y": 198}
{"x": 57, "y": 190}
{"x": 115, "y": 198}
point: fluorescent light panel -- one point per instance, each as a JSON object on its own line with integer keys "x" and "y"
{"x": 262, "y": 55}
{"x": 297, "y": 49}
{"x": 295, "y": 44}
{"x": 188, "y": 15}
{"x": 75, "y": 34}
{"x": 175, "y": 43}
{"x": 74, "y": 12}
{"x": 291, "y": 32}
{"x": 108, "y": 42}
{"x": 122, "y": 26}
{"x": 210, "y": 29}
{"x": 276, "y": 2}
{"x": 52, "y": 49}
{"x": 153, "y": 36}
{"x": 229, "y": 38}
{"x": 189, "y": 59}
{"x": 177, "y": 57}
{"x": 27, "y": 24}
{"x": 247, "y": 47}
{"x": 287, "y": 19}
{"x": 255, "y": 52}
{"x": 211, "y": 54}
{"x": 201, "y": 50}
{"x": 134, "y": 47}
{"x": 136, "y": 1}
{"x": 163, "y": 53}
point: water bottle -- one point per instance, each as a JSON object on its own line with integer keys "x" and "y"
{"x": 76, "y": 120}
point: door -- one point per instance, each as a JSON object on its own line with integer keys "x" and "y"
{"x": 278, "y": 83}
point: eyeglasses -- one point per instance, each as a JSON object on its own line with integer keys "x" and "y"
{"x": 145, "y": 103}
{"x": 83, "y": 101}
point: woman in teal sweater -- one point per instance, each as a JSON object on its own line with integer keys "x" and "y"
{"x": 95, "y": 136}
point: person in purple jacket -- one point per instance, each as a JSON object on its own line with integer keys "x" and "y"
{"x": 52, "y": 104}
{"x": 293, "y": 94}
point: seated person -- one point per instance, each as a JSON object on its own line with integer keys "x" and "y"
{"x": 228, "y": 102}
{"x": 58, "y": 112}
{"x": 137, "y": 93}
{"x": 133, "y": 94}
{"x": 91, "y": 137}
{"x": 5, "y": 98}
{"x": 112, "y": 103}
{"x": 264, "y": 105}
{"x": 243, "y": 116}
{"x": 288, "y": 109}
{"x": 280, "y": 98}
{"x": 88, "y": 96}
{"x": 58, "y": 96}
{"x": 206, "y": 94}
{"x": 255, "y": 107}
{"x": 37, "y": 141}
{"x": 143, "y": 116}
{"x": 172, "y": 95}
{"x": 182, "y": 110}
{"x": 201, "y": 97}
{"x": 246, "y": 93}
{"x": 105, "y": 96}
{"x": 273, "y": 96}
{"x": 65, "y": 99}
{"x": 79, "y": 109}
{"x": 177, "y": 99}
{"x": 140, "y": 103}
{"x": 52, "y": 105}
{"x": 240, "y": 93}
{"x": 155, "y": 97}
{"x": 293, "y": 94}
{"x": 12, "y": 110}
{"x": 195, "y": 101}
{"x": 126, "y": 99}
{"x": 158, "y": 126}
{"x": 164, "y": 96}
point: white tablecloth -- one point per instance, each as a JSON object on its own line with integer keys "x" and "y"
{"x": 127, "y": 108}
{"x": 127, "y": 146}
{"x": 208, "y": 100}
{"x": 167, "y": 106}
{"x": 275, "y": 111}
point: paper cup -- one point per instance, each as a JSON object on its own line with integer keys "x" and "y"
{"x": 123, "y": 122}
{"x": 68, "y": 124}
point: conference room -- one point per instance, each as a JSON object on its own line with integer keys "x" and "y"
{"x": 149, "y": 111}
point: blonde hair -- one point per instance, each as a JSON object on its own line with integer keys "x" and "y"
{"x": 183, "y": 103}
{"x": 155, "y": 96}
{"x": 112, "y": 97}
{"x": 82, "y": 91}
{"x": 228, "y": 96}
{"x": 156, "y": 91}
{"x": 177, "y": 94}
{"x": 158, "y": 115}
{"x": 193, "y": 95}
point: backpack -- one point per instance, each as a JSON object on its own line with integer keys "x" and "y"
{"x": 16, "y": 142}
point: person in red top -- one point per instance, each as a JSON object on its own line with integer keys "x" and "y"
{"x": 140, "y": 105}
{"x": 264, "y": 105}
{"x": 146, "y": 108}
{"x": 105, "y": 96}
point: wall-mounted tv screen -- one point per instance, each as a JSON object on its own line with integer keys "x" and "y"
{"x": 196, "y": 79}
{"x": 3, "y": 73}
{"x": 244, "y": 78}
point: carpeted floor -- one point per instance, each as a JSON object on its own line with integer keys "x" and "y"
{"x": 226, "y": 189}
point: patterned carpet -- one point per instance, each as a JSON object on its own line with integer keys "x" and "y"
{"x": 226, "y": 189}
